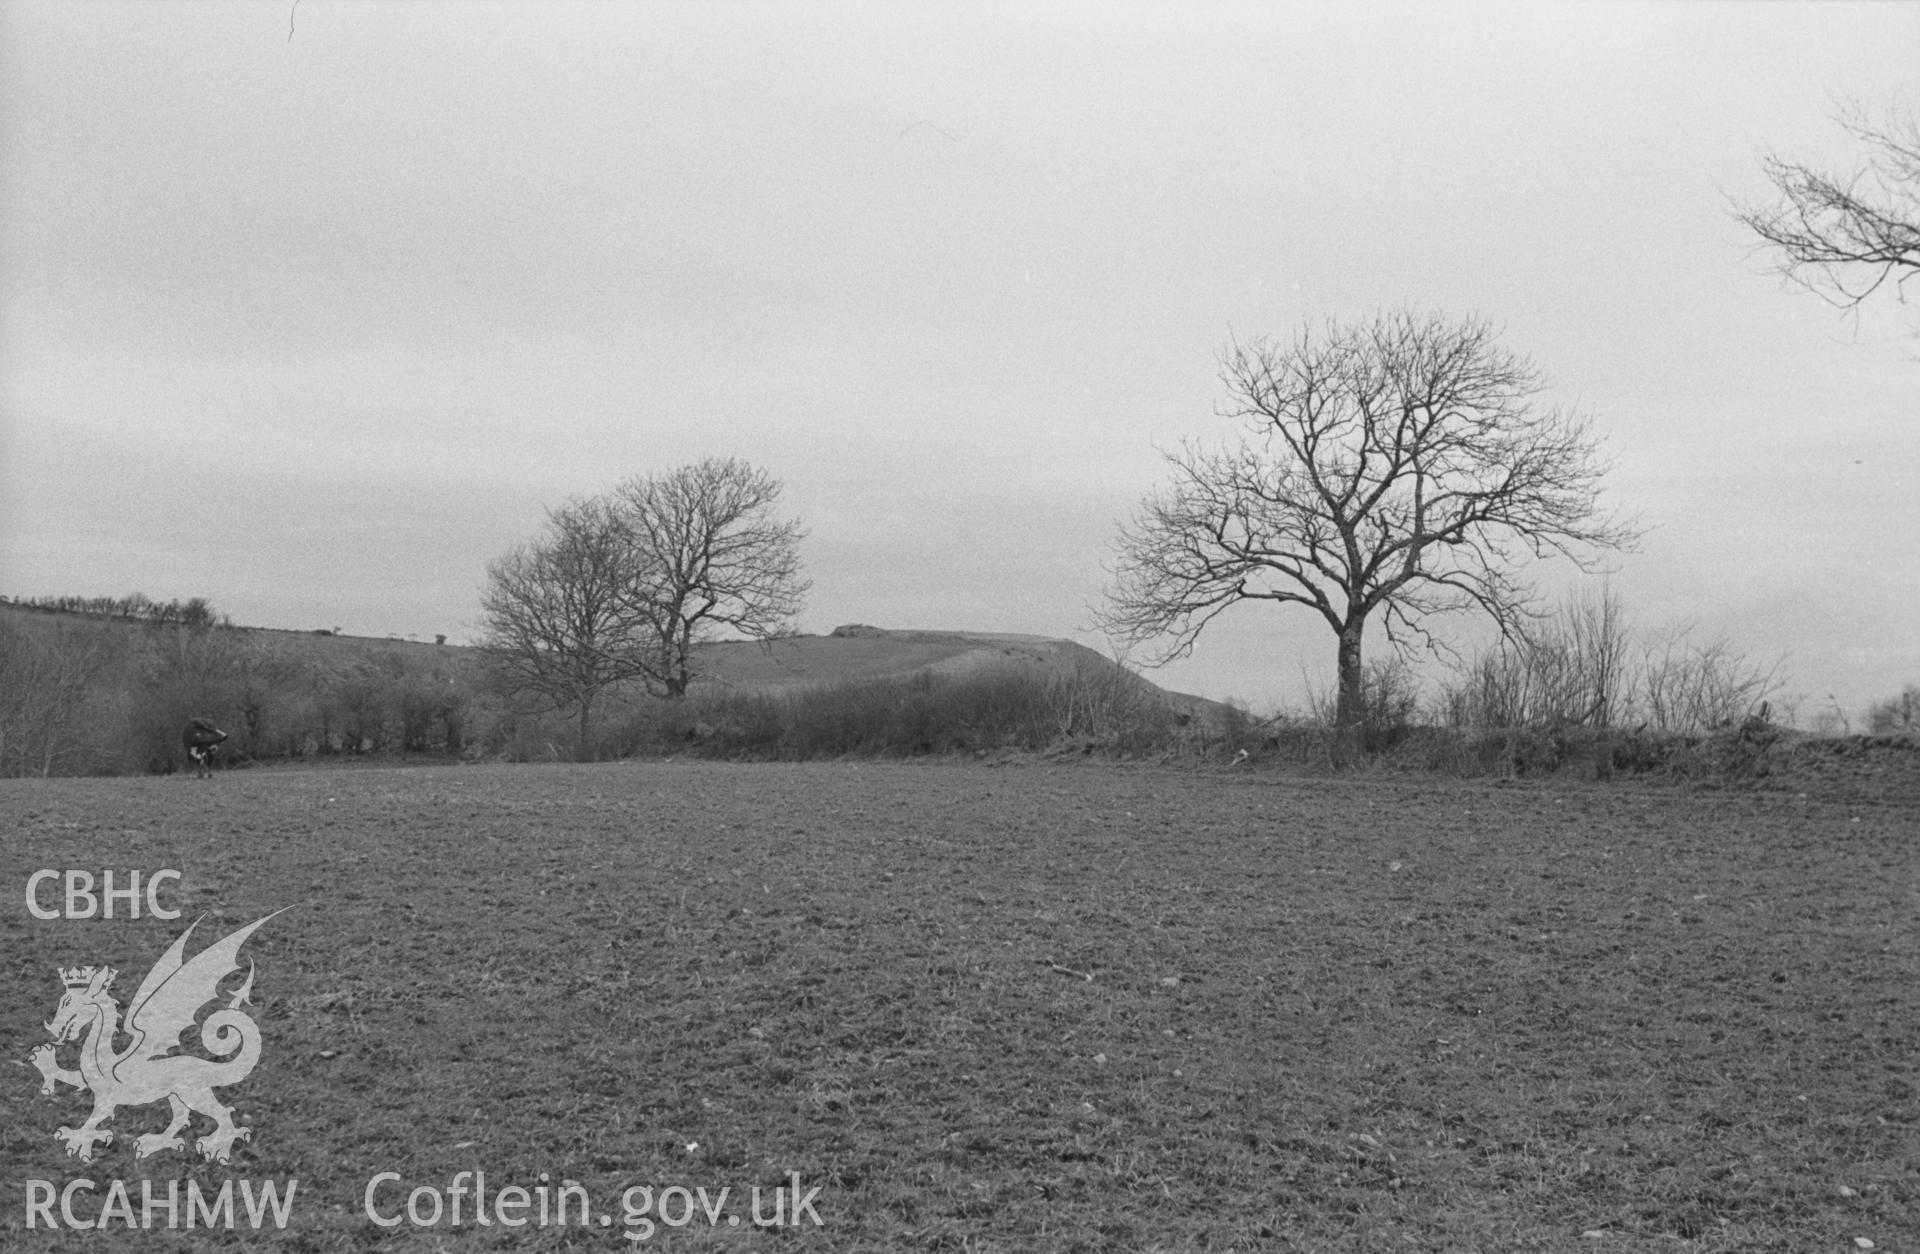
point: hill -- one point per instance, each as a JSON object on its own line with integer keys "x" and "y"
{"x": 857, "y": 652}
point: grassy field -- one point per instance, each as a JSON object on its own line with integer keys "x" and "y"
{"x": 1016, "y": 1007}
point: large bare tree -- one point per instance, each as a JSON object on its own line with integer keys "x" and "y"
{"x": 708, "y": 556}
{"x": 557, "y": 612}
{"x": 1392, "y": 470}
{"x": 1845, "y": 235}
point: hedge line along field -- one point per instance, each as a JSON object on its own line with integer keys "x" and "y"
{"x": 1016, "y": 1007}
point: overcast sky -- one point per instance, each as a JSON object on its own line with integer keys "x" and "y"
{"x": 313, "y": 309}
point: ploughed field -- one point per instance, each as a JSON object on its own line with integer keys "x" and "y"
{"x": 1016, "y": 1007}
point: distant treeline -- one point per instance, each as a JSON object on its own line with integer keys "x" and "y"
{"x": 137, "y": 606}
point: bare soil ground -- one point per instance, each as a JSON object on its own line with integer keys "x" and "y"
{"x": 1024, "y": 1007}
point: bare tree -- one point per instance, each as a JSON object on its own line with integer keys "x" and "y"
{"x": 1572, "y": 666}
{"x": 1688, "y": 686}
{"x": 706, "y": 555}
{"x": 557, "y": 613}
{"x": 1843, "y": 236}
{"x": 1398, "y": 468}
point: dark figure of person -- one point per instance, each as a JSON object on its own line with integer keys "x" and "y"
{"x": 202, "y": 739}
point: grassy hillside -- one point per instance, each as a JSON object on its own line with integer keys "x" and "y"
{"x": 869, "y": 653}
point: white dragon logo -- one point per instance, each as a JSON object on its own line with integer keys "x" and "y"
{"x": 147, "y": 1070}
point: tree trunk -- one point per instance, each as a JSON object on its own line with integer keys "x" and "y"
{"x": 1350, "y": 706}
{"x": 682, "y": 664}
{"x": 585, "y": 748}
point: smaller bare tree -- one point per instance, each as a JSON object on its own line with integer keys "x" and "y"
{"x": 557, "y": 613}
{"x": 1686, "y": 685}
{"x": 1843, "y": 236}
{"x": 705, "y": 555}
{"x": 1578, "y": 661}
